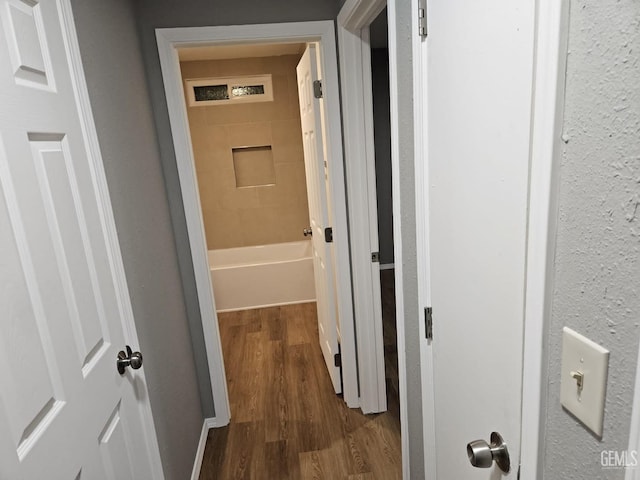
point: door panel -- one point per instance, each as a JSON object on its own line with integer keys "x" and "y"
{"x": 113, "y": 442}
{"x": 316, "y": 176}
{"x": 68, "y": 412}
{"x": 479, "y": 60}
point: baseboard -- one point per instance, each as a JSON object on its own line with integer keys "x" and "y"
{"x": 267, "y": 305}
{"x": 197, "y": 464}
{"x": 386, "y": 266}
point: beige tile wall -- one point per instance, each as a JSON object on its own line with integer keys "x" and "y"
{"x": 236, "y": 217}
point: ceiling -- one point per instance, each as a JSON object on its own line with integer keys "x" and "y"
{"x": 222, "y": 52}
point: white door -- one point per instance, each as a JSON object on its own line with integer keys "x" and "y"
{"x": 316, "y": 172}
{"x": 479, "y": 58}
{"x": 65, "y": 412}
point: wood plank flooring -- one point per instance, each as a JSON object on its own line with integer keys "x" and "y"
{"x": 286, "y": 421}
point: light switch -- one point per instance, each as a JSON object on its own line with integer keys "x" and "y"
{"x": 584, "y": 379}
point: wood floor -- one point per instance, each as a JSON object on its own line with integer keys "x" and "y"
{"x": 286, "y": 421}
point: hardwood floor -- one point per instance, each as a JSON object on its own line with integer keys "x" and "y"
{"x": 286, "y": 421}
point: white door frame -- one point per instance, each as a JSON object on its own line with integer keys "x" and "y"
{"x": 86, "y": 117}
{"x": 354, "y": 20}
{"x": 548, "y": 108}
{"x": 169, "y": 39}
{"x": 357, "y": 112}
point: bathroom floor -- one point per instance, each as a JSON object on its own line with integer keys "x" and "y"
{"x": 287, "y": 423}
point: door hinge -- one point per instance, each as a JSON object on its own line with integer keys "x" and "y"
{"x": 422, "y": 18}
{"x": 428, "y": 323}
{"x": 337, "y": 360}
{"x": 317, "y": 88}
{"x": 328, "y": 234}
{"x": 375, "y": 257}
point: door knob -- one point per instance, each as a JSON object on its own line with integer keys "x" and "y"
{"x": 481, "y": 454}
{"x": 128, "y": 359}
{"x": 307, "y": 232}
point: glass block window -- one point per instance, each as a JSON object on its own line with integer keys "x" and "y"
{"x": 211, "y": 92}
{"x": 249, "y": 90}
{"x": 225, "y": 91}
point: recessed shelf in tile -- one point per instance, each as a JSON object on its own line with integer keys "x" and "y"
{"x": 253, "y": 166}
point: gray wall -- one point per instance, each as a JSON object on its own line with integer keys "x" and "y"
{"x": 597, "y": 276}
{"x": 382, "y": 137}
{"x": 117, "y": 89}
{"x": 405, "y": 17}
{"x": 154, "y": 14}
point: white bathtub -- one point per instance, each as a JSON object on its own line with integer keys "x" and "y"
{"x": 262, "y": 276}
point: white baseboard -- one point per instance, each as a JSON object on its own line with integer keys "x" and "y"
{"x": 267, "y": 305}
{"x": 197, "y": 464}
{"x": 387, "y": 266}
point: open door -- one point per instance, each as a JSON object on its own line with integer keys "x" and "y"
{"x": 66, "y": 410}
{"x": 479, "y": 122}
{"x": 320, "y": 228}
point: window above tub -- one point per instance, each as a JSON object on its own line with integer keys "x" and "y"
{"x": 229, "y": 90}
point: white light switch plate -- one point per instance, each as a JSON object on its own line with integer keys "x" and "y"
{"x": 581, "y": 355}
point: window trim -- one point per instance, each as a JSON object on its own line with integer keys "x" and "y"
{"x": 246, "y": 80}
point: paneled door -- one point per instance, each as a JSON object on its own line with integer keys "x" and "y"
{"x": 65, "y": 411}
{"x": 316, "y": 175}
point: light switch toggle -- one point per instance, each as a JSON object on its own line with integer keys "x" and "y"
{"x": 579, "y": 378}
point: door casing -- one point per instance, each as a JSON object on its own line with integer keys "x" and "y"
{"x": 169, "y": 39}
{"x": 357, "y": 100}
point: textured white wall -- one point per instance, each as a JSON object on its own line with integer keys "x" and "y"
{"x": 597, "y": 283}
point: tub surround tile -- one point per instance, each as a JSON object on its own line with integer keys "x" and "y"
{"x": 238, "y": 199}
{"x": 236, "y": 217}
{"x": 294, "y": 223}
{"x": 264, "y": 111}
{"x": 197, "y": 119}
{"x": 262, "y": 226}
{"x": 283, "y": 129}
{"x": 249, "y": 134}
{"x": 288, "y": 154}
{"x": 226, "y": 237}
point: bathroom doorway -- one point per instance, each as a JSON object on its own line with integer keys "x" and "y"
{"x": 361, "y": 386}
{"x": 260, "y": 204}
{"x": 322, "y": 33}
{"x": 257, "y": 134}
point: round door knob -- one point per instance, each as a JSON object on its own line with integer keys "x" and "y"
{"x": 135, "y": 360}
{"x": 482, "y": 454}
{"x": 479, "y": 453}
{"x": 128, "y": 359}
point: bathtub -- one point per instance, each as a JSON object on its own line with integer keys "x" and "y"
{"x": 262, "y": 276}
